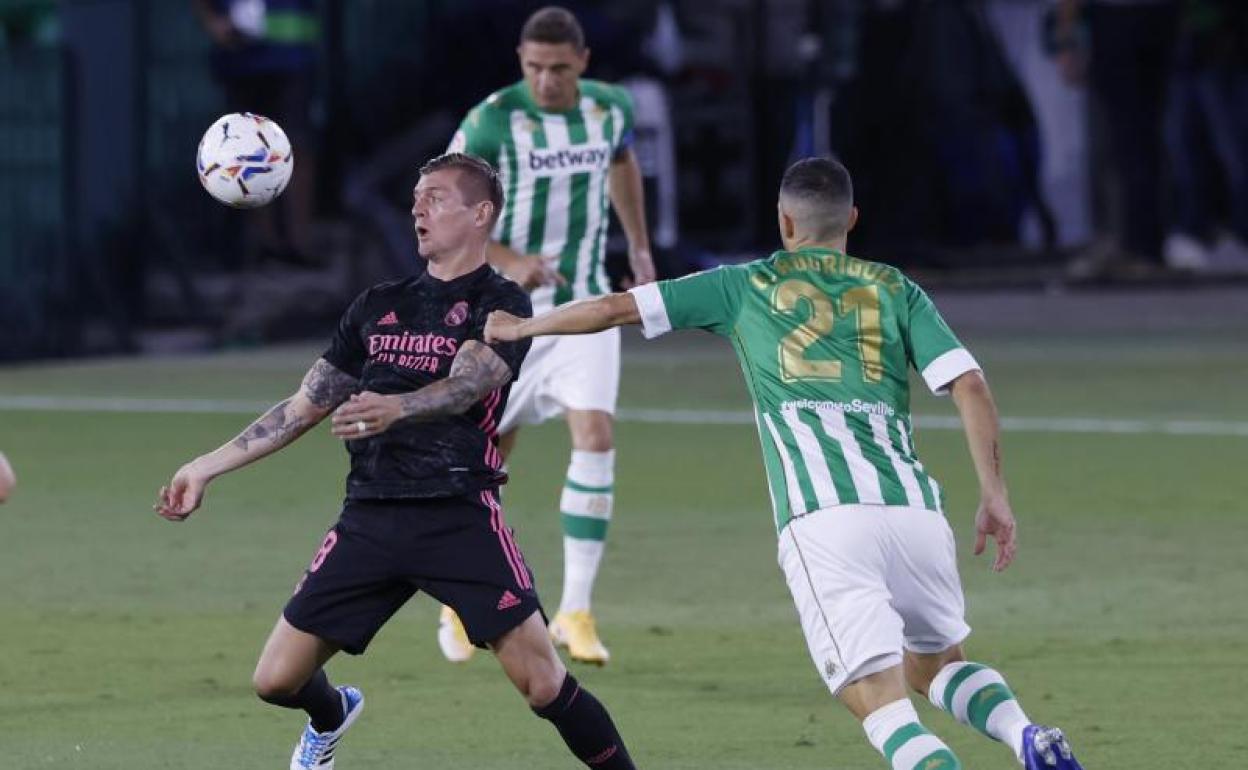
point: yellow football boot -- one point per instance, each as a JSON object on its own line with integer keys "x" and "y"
{"x": 452, "y": 637}
{"x": 577, "y": 632}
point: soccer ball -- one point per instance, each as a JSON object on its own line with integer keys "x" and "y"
{"x": 244, "y": 160}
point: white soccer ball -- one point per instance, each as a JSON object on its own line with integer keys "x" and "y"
{"x": 244, "y": 160}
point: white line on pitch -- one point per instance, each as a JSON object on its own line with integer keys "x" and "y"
{"x": 653, "y": 416}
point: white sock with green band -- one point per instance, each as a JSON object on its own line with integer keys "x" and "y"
{"x": 586, "y": 511}
{"x": 894, "y": 730}
{"x": 978, "y": 696}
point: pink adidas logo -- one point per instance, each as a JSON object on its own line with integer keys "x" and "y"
{"x": 508, "y": 601}
{"x": 389, "y": 319}
{"x": 598, "y": 759}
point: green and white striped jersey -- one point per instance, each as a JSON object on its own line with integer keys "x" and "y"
{"x": 825, "y": 342}
{"x": 554, "y": 168}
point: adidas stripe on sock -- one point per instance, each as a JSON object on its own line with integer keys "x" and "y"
{"x": 894, "y": 730}
{"x": 978, "y": 696}
{"x": 586, "y": 512}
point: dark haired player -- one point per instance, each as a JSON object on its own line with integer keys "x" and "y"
{"x": 826, "y": 343}
{"x": 416, "y": 395}
{"x": 563, "y": 148}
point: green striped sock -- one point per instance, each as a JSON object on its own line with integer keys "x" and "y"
{"x": 906, "y": 744}
{"x": 585, "y": 508}
{"x": 978, "y": 696}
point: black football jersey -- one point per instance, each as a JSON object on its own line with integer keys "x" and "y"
{"x": 399, "y": 337}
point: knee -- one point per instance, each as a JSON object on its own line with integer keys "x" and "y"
{"x": 271, "y": 687}
{"x": 542, "y": 688}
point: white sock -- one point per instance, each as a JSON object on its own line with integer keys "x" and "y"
{"x": 977, "y": 696}
{"x": 585, "y": 506}
{"x": 895, "y": 731}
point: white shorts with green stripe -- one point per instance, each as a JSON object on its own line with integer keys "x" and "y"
{"x": 579, "y": 371}
{"x": 870, "y": 581}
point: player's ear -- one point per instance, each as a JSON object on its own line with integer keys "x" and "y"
{"x": 787, "y": 226}
{"x": 853, "y": 218}
{"x": 483, "y": 213}
{"x": 582, "y": 61}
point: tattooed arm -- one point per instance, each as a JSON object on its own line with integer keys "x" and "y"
{"x": 475, "y": 372}
{"x": 983, "y": 436}
{"x": 324, "y": 387}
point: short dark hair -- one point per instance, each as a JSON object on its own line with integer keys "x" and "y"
{"x": 824, "y": 188}
{"x": 478, "y": 181}
{"x": 554, "y": 25}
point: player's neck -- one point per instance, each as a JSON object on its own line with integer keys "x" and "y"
{"x": 796, "y": 244}
{"x": 448, "y": 267}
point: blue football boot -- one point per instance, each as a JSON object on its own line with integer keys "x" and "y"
{"x": 1045, "y": 748}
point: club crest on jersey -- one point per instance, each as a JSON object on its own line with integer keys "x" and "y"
{"x": 457, "y": 314}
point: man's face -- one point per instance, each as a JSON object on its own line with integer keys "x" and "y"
{"x": 442, "y": 221}
{"x": 551, "y": 72}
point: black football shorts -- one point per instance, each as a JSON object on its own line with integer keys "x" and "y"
{"x": 380, "y": 552}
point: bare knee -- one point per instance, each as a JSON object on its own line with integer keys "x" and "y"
{"x": 272, "y": 687}
{"x": 922, "y": 668}
{"x": 541, "y": 686}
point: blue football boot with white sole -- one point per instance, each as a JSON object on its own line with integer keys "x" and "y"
{"x": 315, "y": 751}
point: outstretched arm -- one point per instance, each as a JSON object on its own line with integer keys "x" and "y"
{"x": 979, "y": 418}
{"x": 324, "y": 387}
{"x": 585, "y": 317}
{"x": 475, "y": 372}
{"x": 8, "y": 479}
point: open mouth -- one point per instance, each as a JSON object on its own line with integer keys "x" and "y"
{"x": 421, "y": 231}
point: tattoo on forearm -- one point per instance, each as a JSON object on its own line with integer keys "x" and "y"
{"x": 996, "y": 459}
{"x": 277, "y": 425}
{"x": 327, "y": 386}
{"x": 476, "y": 371}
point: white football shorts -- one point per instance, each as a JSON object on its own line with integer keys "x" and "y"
{"x": 870, "y": 581}
{"x": 577, "y": 371}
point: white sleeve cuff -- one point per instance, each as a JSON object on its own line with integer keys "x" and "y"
{"x": 948, "y": 367}
{"x": 654, "y": 320}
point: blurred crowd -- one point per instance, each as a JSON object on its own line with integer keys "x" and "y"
{"x": 1091, "y": 139}
{"x": 1110, "y": 132}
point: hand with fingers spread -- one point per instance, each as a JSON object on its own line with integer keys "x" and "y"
{"x": 182, "y": 496}
{"x": 995, "y": 519}
{"x": 365, "y": 414}
{"x": 501, "y": 326}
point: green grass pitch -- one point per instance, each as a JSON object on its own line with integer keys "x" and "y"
{"x": 127, "y": 642}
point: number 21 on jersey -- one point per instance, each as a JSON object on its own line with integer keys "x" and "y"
{"x": 795, "y": 297}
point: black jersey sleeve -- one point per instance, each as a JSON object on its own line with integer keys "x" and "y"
{"x": 512, "y": 299}
{"x": 346, "y": 350}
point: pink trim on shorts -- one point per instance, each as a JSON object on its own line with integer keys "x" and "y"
{"x": 514, "y": 559}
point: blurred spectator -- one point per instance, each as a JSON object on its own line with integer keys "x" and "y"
{"x": 941, "y": 132}
{"x": 26, "y": 23}
{"x": 1061, "y": 113}
{"x": 264, "y": 55}
{"x": 1124, "y": 48}
{"x": 1208, "y": 108}
{"x": 7, "y": 479}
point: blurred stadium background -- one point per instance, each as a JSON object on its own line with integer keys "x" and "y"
{"x": 142, "y": 322}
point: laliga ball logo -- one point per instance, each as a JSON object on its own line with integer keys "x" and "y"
{"x": 244, "y": 160}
